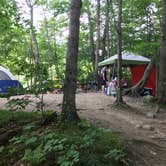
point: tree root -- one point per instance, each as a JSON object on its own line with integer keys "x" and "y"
{"x": 147, "y": 142}
{"x": 157, "y": 109}
{"x": 133, "y": 92}
{"x": 133, "y": 149}
{"x": 120, "y": 105}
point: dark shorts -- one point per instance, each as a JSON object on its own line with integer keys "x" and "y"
{"x": 103, "y": 82}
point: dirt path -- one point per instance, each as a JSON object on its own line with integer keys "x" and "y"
{"x": 145, "y": 137}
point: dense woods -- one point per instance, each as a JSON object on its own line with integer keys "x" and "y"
{"x": 55, "y": 46}
{"x": 22, "y": 43}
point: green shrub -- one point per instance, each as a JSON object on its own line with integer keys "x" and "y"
{"x": 18, "y": 104}
{"x": 18, "y": 116}
{"x": 70, "y": 145}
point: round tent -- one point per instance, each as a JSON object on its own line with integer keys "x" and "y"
{"x": 8, "y": 81}
{"x": 5, "y": 74}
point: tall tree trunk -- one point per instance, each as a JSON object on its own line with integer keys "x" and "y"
{"x": 105, "y": 39}
{"x": 33, "y": 34}
{"x": 91, "y": 39}
{"x": 56, "y": 58}
{"x": 108, "y": 29}
{"x": 162, "y": 66}
{"x": 97, "y": 42}
{"x": 34, "y": 40}
{"x": 69, "y": 112}
{"x": 49, "y": 45}
{"x": 55, "y": 50}
{"x": 113, "y": 28}
{"x": 119, "y": 99}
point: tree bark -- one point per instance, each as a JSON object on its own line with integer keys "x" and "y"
{"x": 108, "y": 29}
{"x": 56, "y": 58}
{"x": 69, "y": 112}
{"x": 105, "y": 38}
{"x": 97, "y": 42}
{"x": 119, "y": 99}
{"x": 91, "y": 39}
{"x": 35, "y": 47}
{"x": 49, "y": 45}
{"x": 33, "y": 35}
{"x": 56, "y": 61}
{"x": 162, "y": 66}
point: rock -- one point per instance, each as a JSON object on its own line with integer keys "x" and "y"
{"x": 138, "y": 126}
{"x": 148, "y": 98}
{"x": 151, "y": 115}
{"x": 148, "y": 127}
{"x": 152, "y": 152}
{"x": 6, "y": 136}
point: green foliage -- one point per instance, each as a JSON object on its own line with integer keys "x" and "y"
{"x": 17, "y": 50}
{"x": 69, "y": 145}
{"x": 18, "y": 116}
{"x": 1, "y": 149}
{"x": 116, "y": 155}
{"x": 34, "y": 157}
{"x": 18, "y": 104}
{"x": 69, "y": 158}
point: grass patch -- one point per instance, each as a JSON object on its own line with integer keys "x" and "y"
{"x": 16, "y": 116}
{"x": 71, "y": 145}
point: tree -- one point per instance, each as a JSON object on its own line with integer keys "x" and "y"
{"x": 10, "y": 30}
{"x": 97, "y": 42}
{"x": 106, "y": 38}
{"x": 69, "y": 112}
{"x": 162, "y": 66}
{"x": 34, "y": 43}
{"x": 48, "y": 44}
{"x": 33, "y": 34}
{"x": 148, "y": 32}
{"x": 119, "y": 99}
{"x": 91, "y": 36}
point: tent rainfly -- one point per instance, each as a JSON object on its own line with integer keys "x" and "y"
{"x": 7, "y": 80}
{"x": 128, "y": 58}
{"x": 5, "y": 74}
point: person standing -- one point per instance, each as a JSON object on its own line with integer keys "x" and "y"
{"x": 105, "y": 77}
{"x": 107, "y": 74}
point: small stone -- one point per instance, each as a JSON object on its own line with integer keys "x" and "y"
{"x": 152, "y": 137}
{"x": 148, "y": 127}
{"x": 150, "y": 115}
{"x": 152, "y": 152}
{"x": 148, "y": 98}
{"x": 138, "y": 126}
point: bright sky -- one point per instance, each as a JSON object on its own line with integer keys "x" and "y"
{"x": 38, "y": 16}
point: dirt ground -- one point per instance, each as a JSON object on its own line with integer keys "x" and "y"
{"x": 145, "y": 137}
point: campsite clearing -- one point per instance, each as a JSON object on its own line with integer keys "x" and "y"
{"x": 145, "y": 137}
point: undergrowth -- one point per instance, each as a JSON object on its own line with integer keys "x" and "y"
{"x": 71, "y": 145}
{"x": 16, "y": 116}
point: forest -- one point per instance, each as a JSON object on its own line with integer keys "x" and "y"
{"x": 55, "y": 112}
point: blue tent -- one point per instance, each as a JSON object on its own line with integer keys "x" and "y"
{"x": 8, "y": 82}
